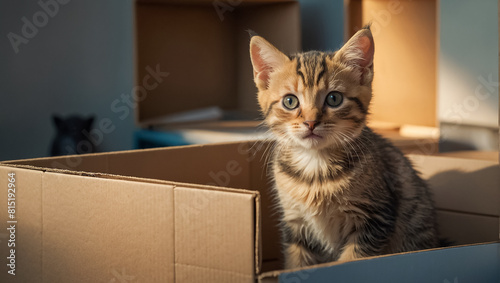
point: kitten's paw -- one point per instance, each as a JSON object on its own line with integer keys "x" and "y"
{"x": 298, "y": 256}
{"x": 349, "y": 253}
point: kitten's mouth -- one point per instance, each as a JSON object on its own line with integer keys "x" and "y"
{"x": 312, "y": 136}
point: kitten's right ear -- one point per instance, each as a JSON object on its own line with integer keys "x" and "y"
{"x": 265, "y": 59}
{"x": 359, "y": 52}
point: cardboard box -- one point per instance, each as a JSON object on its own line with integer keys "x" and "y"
{"x": 188, "y": 214}
{"x": 203, "y": 46}
{"x": 405, "y": 63}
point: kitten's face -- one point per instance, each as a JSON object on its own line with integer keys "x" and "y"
{"x": 315, "y": 99}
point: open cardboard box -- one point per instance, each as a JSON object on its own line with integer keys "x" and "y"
{"x": 197, "y": 214}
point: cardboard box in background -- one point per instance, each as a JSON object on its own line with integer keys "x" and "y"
{"x": 203, "y": 45}
{"x": 419, "y": 66}
{"x": 405, "y": 34}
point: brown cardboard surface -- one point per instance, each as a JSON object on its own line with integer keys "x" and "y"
{"x": 278, "y": 23}
{"x": 404, "y": 86}
{"x": 204, "y": 52}
{"x": 28, "y": 232}
{"x": 104, "y": 230}
{"x": 90, "y": 163}
{"x": 188, "y": 274}
{"x": 473, "y": 154}
{"x": 462, "y": 184}
{"x": 464, "y": 228}
{"x": 411, "y": 145}
{"x": 169, "y": 36}
{"x": 353, "y": 18}
{"x": 214, "y": 235}
{"x": 219, "y": 165}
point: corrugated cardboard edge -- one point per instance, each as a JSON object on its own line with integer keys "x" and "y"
{"x": 15, "y": 164}
{"x": 27, "y": 243}
{"x": 273, "y": 276}
{"x": 258, "y": 235}
{"x": 129, "y": 178}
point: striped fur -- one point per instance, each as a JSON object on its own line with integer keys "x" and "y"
{"x": 343, "y": 191}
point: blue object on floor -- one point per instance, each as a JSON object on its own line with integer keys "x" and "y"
{"x": 151, "y": 138}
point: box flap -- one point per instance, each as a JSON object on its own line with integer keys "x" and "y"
{"x": 214, "y": 236}
{"x": 224, "y": 165}
{"x": 221, "y": 165}
{"x": 85, "y": 219}
{"x": 462, "y": 185}
{"x": 466, "y": 193}
{"x": 91, "y": 229}
{"x": 96, "y": 162}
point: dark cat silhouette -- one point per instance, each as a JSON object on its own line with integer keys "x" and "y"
{"x": 72, "y": 135}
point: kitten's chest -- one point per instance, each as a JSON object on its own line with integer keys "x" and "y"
{"x": 309, "y": 163}
{"x": 326, "y": 224}
{"x": 310, "y": 179}
{"x": 314, "y": 192}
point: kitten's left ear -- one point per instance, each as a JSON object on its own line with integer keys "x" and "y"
{"x": 359, "y": 51}
{"x": 265, "y": 59}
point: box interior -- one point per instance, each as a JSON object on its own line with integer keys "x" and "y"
{"x": 188, "y": 38}
{"x": 465, "y": 215}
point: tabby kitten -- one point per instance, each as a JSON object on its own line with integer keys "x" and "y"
{"x": 344, "y": 191}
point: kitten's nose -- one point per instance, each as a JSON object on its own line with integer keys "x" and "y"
{"x": 311, "y": 124}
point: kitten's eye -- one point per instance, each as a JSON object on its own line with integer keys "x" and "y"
{"x": 334, "y": 99}
{"x": 290, "y": 102}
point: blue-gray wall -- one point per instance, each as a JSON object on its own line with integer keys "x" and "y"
{"x": 322, "y": 24}
{"x": 78, "y": 62}
{"x": 468, "y": 74}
